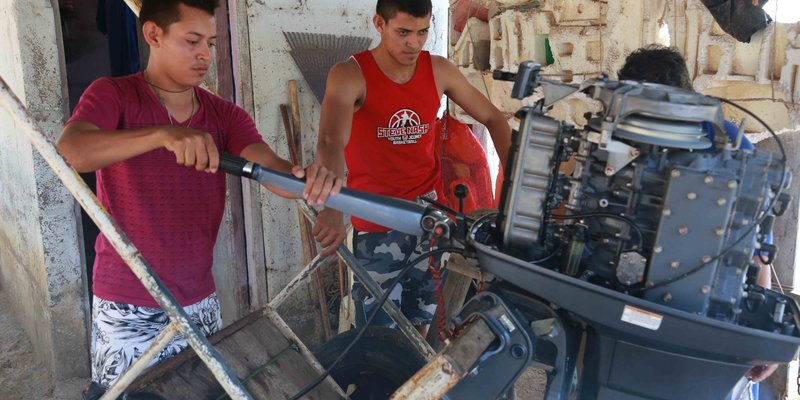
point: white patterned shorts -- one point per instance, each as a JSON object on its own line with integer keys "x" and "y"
{"x": 122, "y": 332}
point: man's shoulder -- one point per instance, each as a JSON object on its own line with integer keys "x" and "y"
{"x": 119, "y": 81}
{"x": 439, "y": 61}
{"x": 121, "y": 86}
{"x": 349, "y": 66}
{"x": 348, "y": 72}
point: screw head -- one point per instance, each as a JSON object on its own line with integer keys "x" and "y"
{"x": 719, "y": 231}
{"x": 666, "y": 212}
{"x": 708, "y": 180}
{"x": 706, "y": 259}
{"x": 675, "y": 173}
{"x": 683, "y": 230}
{"x": 666, "y": 297}
{"x": 691, "y": 195}
{"x": 517, "y": 351}
{"x": 732, "y": 184}
{"x": 705, "y": 289}
{"x": 721, "y": 201}
{"x": 658, "y": 249}
{"x": 675, "y": 264}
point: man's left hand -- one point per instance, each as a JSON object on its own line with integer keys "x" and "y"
{"x": 320, "y": 183}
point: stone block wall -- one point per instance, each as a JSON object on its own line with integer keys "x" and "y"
{"x": 588, "y": 37}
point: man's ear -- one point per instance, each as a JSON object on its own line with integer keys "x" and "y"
{"x": 379, "y": 22}
{"x": 152, "y": 33}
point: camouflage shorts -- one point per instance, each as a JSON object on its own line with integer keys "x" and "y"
{"x": 383, "y": 255}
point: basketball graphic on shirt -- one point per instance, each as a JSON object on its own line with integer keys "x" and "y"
{"x": 403, "y": 127}
{"x": 404, "y": 118}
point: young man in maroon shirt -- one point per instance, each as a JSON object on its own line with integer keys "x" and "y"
{"x": 154, "y": 140}
{"x": 379, "y": 115}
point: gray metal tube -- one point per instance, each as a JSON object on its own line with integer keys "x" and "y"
{"x": 397, "y": 214}
{"x": 295, "y": 282}
{"x": 121, "y": 243}
{"x": 282, "y": 326}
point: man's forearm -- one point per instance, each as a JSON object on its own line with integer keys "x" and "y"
{"x": 500, "y": 132}
{"x": 92, "y": 149}
{"x": 331, "y": 156}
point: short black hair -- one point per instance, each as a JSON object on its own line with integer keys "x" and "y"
{"x": 164, "y": 12}
{"x": 387, "y": 9}
{"x": 655, "y": 63}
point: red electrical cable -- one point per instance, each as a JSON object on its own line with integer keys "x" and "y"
{"x": 439, "y": 317}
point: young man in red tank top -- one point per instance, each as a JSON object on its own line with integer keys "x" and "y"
{"x": 154, "y": 139}
{"x": 379, "y": 116}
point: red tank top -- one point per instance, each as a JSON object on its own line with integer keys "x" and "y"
{"x": 392, "y": 147}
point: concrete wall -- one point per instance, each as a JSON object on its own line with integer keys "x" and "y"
{"x": 40, "y": 254}
{"x": 272, "y": 67}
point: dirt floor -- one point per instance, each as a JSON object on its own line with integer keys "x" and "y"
{"x": 21, "y": 374}
{"x": 530, "y": 386}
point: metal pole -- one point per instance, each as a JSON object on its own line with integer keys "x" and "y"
{"x": 159, "y": 343}
{"x": 121, "y": 243}
{"x": 292, "y": 285}
{"x": 375, "y": 290}
{"x": 284, "y": 328}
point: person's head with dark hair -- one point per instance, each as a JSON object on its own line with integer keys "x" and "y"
{"x": 656, "y": 64}
{"x": 404, "y": 26}
{"x": 181, "y": 35}
{"x": 165, "y": 12}
{"x": 387, "y": 9}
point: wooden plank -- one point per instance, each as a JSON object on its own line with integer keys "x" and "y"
{"x": 306, "y": 237}
{"x": 251, "y": 203}
{"x": 237, "y": 282}
{"x": 224, "y": 56}
{"x": 249, "y": 344}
